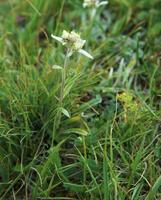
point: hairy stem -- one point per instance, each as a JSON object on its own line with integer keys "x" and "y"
{"x": 58, "y": 114}
{"x": 63, "y": 78}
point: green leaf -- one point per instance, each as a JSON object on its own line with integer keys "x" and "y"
{"x": 154, "y": 189}
{"x": 90, "y": 104}
{"x": 155, "y": 29}
{"x": 77, "y": 131}
{"x": 75, "y": 187}
{"x": 69, "y": 84}
{"x": 65, "y": 112}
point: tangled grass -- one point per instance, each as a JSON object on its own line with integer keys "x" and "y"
{"x": 102, "y": 140}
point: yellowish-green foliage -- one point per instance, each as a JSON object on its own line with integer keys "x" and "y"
{"x": 132, "y": 109}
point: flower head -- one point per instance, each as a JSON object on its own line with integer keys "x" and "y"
{"x": 94, "y": 3}
{"x": 73, "y": 42}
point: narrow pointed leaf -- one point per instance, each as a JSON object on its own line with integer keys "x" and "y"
{"x": 65, "y": 112}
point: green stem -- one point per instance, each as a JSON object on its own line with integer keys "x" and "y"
{"x": 91, "y": 20}
{"x": 63, "y": 78}
{"x": 58, "y": 115}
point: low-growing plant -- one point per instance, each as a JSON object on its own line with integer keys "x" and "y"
{"x": 74, "y": 127}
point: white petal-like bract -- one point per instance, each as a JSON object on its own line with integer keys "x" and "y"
{"x": 59, "y": 39}
{"x": 85, "y": 53}
{"x": 102, "y": 3}
{"x": 94, "y": 3}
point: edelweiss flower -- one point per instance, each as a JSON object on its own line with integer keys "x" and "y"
{"x": 94, "y": 3}
{"x": 73, "y": 42}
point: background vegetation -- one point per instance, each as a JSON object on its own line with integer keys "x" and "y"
{"x": 110, "y": 145}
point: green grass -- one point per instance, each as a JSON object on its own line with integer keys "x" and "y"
{"x": 106, "y": 144}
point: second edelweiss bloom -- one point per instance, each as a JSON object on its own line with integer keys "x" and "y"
{"x": 73, "y": 42}
{"x": 94, "y": 3}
